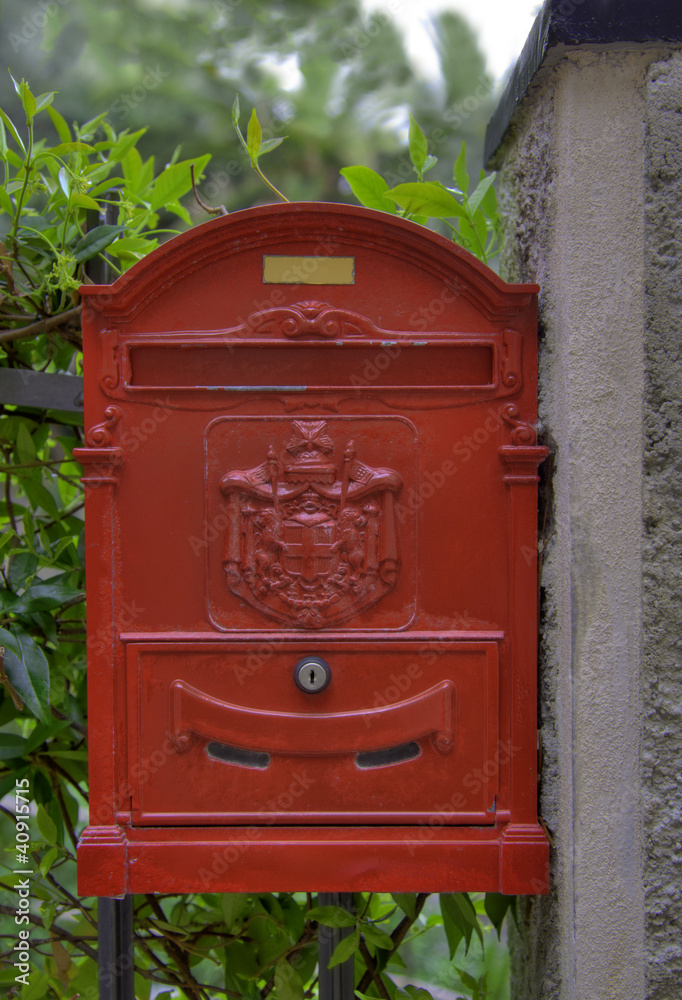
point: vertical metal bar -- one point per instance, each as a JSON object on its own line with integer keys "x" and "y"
{"x": 115, "y": 956}
{"x": 98, "y": 269}
{"x": 337, "y": 983}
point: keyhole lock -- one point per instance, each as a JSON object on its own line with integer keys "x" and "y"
{"x": 312, "y": 674}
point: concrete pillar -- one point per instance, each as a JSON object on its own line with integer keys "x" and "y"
{"x": 588, "y": 141}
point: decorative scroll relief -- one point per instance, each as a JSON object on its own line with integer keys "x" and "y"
{"x": 304, "y": 319}
{"x": 523, "y": 456}
{"x": 99, "y": 436}
{"x": 101, "y": 456}
{"x": 308, "y": 542}
{"x": 523, "y": 433}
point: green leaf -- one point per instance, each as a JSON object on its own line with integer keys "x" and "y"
{"x": 13, "y": 132}
{"x": 233, "y": 905}
{"x": 271, "y": 144}
{"x": 95, "y": 241}
{"x": 345, "y": 949}
{"x": 44, "y": 596}
{"x": 176, "y": 181}
{"x": 419, "y": 147}
{"x": 38, "y": 988}
{"x": 459, "y": 919}
{"x": 415, "y": 993}
{"x": 40, "y": 497}
{"x": 64, "y": 181}
{"x": 25, "y": 448}
{"x": 459, "y": 171}
{"x": 63, "y": 130}
{"x": 179, "y": 209}
{"x": 135, "y": 246}
{"x": 124, "y": 144}
{"x": 27, "y": 670}
{"x": 11, "y": 746}
{"x": 85, "y": 201}
{"x": 235, "y": 111}
{"x": 467, "y": 978}
{"x": 377, "y": 937}
{"x": 496, "y": 908}
{"x": 427, "y": 199}
{"x": 369, "y": 187}
{"x": 7, "y": 539}
{"x": 254, "y": 137}
{"x": 241, "y": 959}
{"x": 331, "y": 916}
{"x": 47, "y": 827}
{"x": 44, "y": 101}
{"x": 6, "y": 202}
{"x": 480, "y": 192}
{"x": 430, "y": 161}
{"x": 27, "y": 99}
{"x": 64, "y": 148}
{"x": 407, "y": 901}
{"x": 164, "y": 925}
{"x": 288, "y": 985}
{"x": 3, "y": 142}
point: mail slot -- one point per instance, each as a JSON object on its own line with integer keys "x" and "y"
{"x": 311, "y": 504}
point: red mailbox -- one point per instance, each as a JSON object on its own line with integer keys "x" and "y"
{"x": 311, "y": 473}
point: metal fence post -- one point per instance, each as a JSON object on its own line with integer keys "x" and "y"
{"x": 337, "y": 983}
{"x": 115, "y": 957}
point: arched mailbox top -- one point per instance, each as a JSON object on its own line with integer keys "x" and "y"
{"x": 190, "y": 277}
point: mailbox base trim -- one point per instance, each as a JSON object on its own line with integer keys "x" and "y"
{"x": 511, "y": 859}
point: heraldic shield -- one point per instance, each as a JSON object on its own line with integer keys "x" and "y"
{"x": 308, "y": 543}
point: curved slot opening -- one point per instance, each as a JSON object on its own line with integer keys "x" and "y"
{"x": 237, "y": 756}
{"x": 387, "y": 757}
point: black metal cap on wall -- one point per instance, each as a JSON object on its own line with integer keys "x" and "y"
{"x": 564, "y": 23}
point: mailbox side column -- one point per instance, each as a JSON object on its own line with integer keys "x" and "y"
{"x": 102, "y": 847}
{"x": 523, "y": 836}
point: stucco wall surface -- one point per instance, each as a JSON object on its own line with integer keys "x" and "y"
{"x": 591, "y": 186}
{"x": 526, "y": 204}
{"x": 662, "y": 667}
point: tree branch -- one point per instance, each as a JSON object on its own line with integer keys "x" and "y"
{"x": 190, "y": 985}
{"x": 374, "y": 974}
{"x": 397, "y": 937}
{"x": 220, "y": 210}
{"x": 61, "y": 319}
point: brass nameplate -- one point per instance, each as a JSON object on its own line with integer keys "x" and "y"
{"x": 280, "y": 270}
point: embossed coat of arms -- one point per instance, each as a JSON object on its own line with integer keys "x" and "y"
{"x": 311, "y": 539}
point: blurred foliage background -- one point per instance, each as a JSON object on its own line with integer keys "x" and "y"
{"x": 337, "y": 81}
